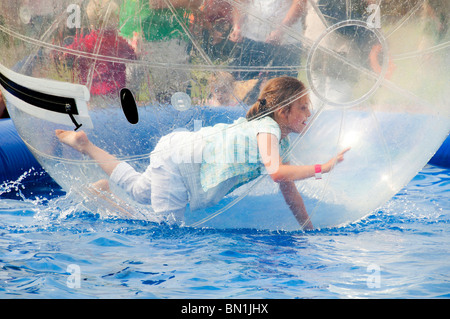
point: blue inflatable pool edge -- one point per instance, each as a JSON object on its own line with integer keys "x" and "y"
{"x": 16, "y": 159}
{"x": 442, "y": 156}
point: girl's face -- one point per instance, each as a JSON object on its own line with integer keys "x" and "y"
{"x": 297, "y": 115}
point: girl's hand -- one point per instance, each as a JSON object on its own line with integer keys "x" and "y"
{"x": 327, "y": 167}
{"x": 275, "y": 37}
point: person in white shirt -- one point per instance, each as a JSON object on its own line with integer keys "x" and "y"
{"x": 268, "y": 37}
{"x": 199, "y": 168}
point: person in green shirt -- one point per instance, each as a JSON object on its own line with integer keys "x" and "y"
{"x": 159, "y": 33}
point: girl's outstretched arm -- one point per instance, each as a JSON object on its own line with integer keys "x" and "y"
{"x": 279, "y": 172}
{"x": 296, "y": 204}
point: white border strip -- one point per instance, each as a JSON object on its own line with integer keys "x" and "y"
{"x": 79, "y": 93}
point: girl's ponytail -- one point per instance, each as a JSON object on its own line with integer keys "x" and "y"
{"x": 276, "y": 92}
{"x": 256, "y": 109}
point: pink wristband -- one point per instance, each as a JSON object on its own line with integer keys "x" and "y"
{"x": 318, "y": 171}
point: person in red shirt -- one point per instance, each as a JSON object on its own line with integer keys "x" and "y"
{"x": 101, "y": 65}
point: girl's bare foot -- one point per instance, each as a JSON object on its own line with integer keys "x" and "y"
{"x": 77, "y": 140}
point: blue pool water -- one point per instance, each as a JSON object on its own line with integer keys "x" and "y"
{"x": 49, "y": 249}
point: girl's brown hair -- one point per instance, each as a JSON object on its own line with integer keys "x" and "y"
{"x": 278, "y": 92}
